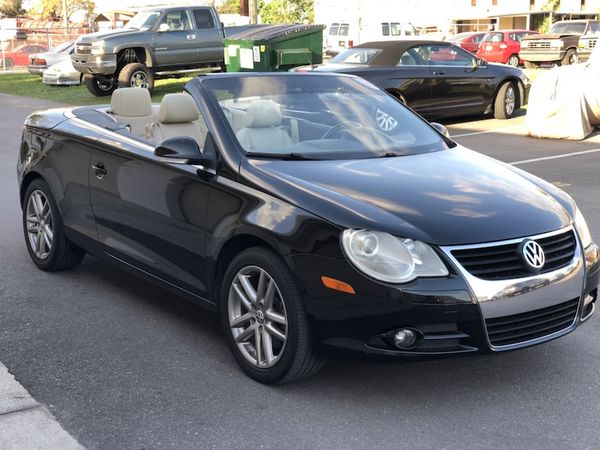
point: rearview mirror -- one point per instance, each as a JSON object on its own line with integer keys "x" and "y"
{"x": 441, "y": 129}
{"x": 183, "y": 150}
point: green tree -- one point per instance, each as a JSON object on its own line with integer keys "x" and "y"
{"x": 550, "y": 5}
{"x": 229, "y": 7}
{"x": 10, "y": 8}
{"x": 287, "y": 11}
{"x": 53, "y": 9}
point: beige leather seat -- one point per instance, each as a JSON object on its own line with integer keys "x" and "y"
{"x": 133, "y": 107}
{"x": 178, "y": 115}
{"x": 262, "y": 130}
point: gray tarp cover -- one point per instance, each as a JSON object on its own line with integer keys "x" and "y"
{"x": 564, "y": 102}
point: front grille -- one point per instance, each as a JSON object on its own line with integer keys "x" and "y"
{"x": 591, "y": 43}
{"x": 538, "y": 44}
{"x": 531, "y": 325}
{"x": 503, "y": 262}
{"x": 83, "y": 49}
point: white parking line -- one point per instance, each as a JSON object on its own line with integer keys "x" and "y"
{"x": 546, "y": 158}
{"x": 496, "y": 130}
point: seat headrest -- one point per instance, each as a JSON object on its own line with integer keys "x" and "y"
{"x": 177, "y": 108}
{"x": 262, "y": 114}
{"x": 131, "y": 102}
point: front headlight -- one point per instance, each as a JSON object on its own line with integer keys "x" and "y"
{"x": 582, "y": 228}
{"x": 557, "y": 44}
{"x": 391, "y": 259}
{"x": 98, "y": 48}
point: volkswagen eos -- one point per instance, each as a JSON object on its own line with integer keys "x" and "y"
{"x": 313, "y": 212}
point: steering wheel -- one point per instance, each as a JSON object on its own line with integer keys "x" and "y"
{"x": 339, "y": 128}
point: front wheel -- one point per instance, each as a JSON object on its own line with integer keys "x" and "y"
{"x": 263, "y": 317}
{"x": 570, "y": 57}
{"x": 136, "y": 75}
{"x": 505, "y": 103}
{"x": 98, "y": 85}
{"x": 8, "y": 63}
{"x": 47, "y": 244}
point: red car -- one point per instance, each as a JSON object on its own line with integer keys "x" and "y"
{"x": 20, "y": 55}
{"x": 469, "y": 41}
{"x": 503, "y": 46}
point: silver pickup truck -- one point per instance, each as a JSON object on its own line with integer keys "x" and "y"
{"x": 156, "y": 43}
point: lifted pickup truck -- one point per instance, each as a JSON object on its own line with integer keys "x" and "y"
{"x": 559, "y": 46}
{"x": 156, "y": 43}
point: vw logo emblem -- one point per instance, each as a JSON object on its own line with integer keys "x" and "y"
{"x": 533, "y": 255}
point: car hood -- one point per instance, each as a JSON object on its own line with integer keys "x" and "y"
{"x": 103, "y": 35}
{"x": 534, "y": 37}
{"x": 448, "y": 197}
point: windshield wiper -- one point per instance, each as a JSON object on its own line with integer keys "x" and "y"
{"x": 391, "y": 155}
{"x": 286, "y": 156}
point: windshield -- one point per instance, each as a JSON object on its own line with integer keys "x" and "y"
{"x": 356, "y": 56}
{"x": 143, "y": 20}
{"x": 313, "y": 116}
{"x": 568, "y": 28}
{"x": 62, "y": 47}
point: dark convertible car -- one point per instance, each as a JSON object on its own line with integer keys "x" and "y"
{"x": 436, "y": 79}
{"x": 314, "y": 212}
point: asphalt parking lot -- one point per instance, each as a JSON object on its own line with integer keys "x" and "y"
{"x": 124, "y": 365}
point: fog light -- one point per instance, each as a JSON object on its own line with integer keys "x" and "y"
{"x": 405, "y": 338}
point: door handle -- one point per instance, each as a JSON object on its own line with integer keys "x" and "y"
{"x": 441, "y": 72}
{"x": 191, "y": 37}
{"x": 99, "y": 170}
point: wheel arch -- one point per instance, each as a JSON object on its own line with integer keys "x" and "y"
{"x": 142, "y": 52}
{"x": 27, "y": 180}
{"x": 520, "y": 91}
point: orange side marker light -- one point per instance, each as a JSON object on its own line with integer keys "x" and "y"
{"x": 337, "y": 285}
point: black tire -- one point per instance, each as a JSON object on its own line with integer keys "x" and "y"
{"x": 532, "y": 65}
{"x": 513, "y": 60}
{"x": 136, "y": 75}
{"x": 99, "y": 86}
{"x": 63, "y": 254}
{"x": 8, "y": 63}
{"x": 297, "y": 358}
{"x": 570, "y": 58}
{"x": 506, "y": 101}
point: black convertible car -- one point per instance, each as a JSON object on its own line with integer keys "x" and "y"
{"x": 312, "y": 211}
{"x": 436, "y": 79}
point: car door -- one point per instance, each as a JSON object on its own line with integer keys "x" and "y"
{"x": 460, "y": 85}
{"x": 150, "y": 214}
{"x": 209, "y": 36}
{"x": 175, "y": 42}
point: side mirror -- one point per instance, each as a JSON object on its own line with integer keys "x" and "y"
{"x": 163, "y": 27}
{"x": 441, "y": 129}
{"x": 184, "y": 150}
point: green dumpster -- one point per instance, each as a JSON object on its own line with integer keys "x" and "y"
{"x": 274, "y": 48}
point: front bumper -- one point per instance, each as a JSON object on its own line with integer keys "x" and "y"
{"x": 60, "y": 79}
{"x": 95, "y": 64}
{"x": 452, "y": 315}
{"x": 36, "y": 69}
{"x": 542, "y": 56}
{"x": 583, "y": 54}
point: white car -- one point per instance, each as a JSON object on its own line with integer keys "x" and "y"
{"x": 63, "y": 74}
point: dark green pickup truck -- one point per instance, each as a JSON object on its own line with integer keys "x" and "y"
{"x": 156, "y": 43}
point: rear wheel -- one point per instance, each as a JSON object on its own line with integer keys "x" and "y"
{"x": 532, "y": 65}
{"x": 513, "y": 60}
{"x": 263, "y": 317}
{"x": 47, "y": 244}
{"x": 136, "y": 75}
{"x": 99, "y": 85}
{"x": 570, "y": 58}
{"x": 8, "y": 63}
{"x": 505, "y": 103}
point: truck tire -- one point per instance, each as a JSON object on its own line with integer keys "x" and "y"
{"x": 99, "y": 86}
{"x": 532, "y": 65}
{"x": 506, "y": 102}
{"x": 136, "y": 75}
{"x": 570, "y": 58}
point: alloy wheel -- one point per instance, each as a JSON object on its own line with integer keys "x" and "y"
{"x": 105, "y": 84}
{"x": 513, "y": 61}
{"x": 139, "y": 79}
{"x": 510, "y": 101}
{"x": 39, "y": 224}
{"x": 257, "y": 317}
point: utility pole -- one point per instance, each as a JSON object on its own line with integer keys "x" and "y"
{"x": 65, "y": 16}
{"x": 253, "y": 9}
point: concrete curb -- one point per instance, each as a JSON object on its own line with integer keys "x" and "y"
{"x": 25, "y": 423}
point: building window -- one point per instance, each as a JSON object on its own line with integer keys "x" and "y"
{"x": 495, "y": 2}
{"x": 473, "y": 2}
{"x": 582, "y": 5}
{"x": 531, "y": 5}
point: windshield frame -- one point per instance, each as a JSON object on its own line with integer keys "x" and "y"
{"x": 148, "y": 14}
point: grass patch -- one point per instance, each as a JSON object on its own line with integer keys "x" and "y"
{"x": 29, "y": 85}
